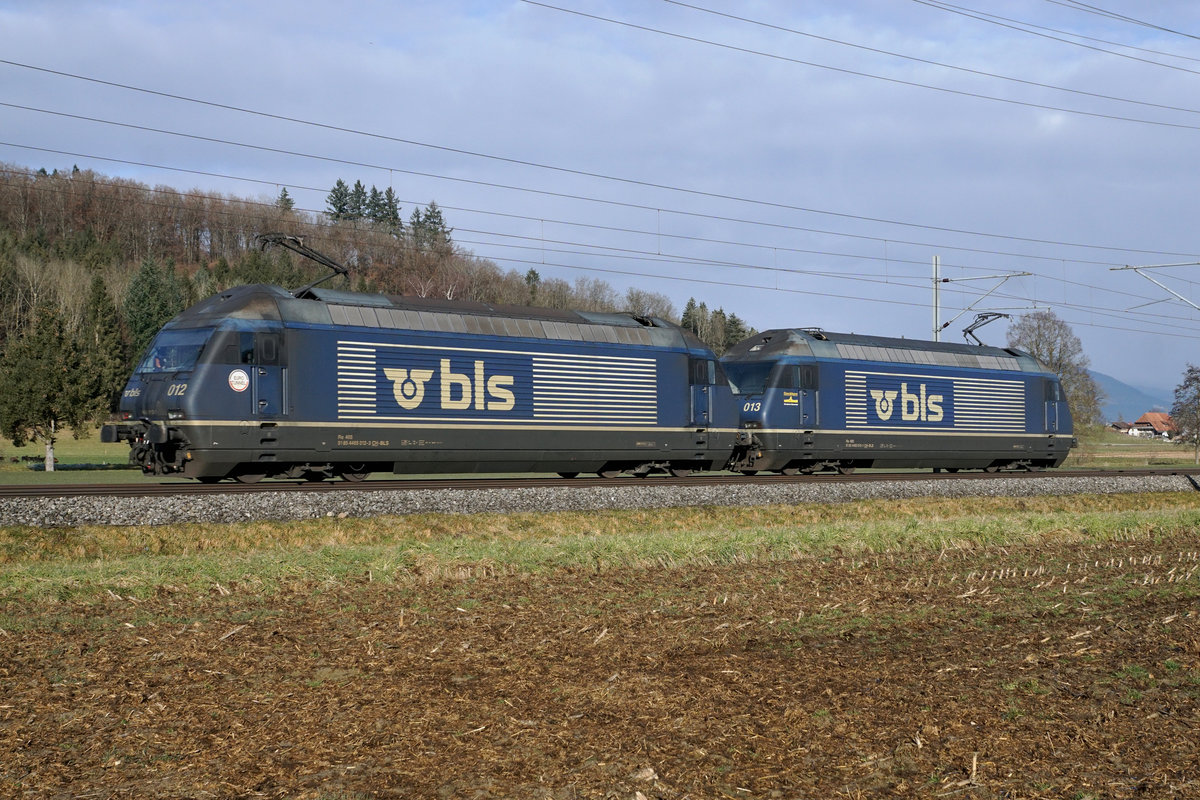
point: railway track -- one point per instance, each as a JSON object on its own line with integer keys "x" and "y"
{"x": 175, "y": 488}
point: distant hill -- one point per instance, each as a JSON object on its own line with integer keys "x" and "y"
{"x": 1126, "y": 402}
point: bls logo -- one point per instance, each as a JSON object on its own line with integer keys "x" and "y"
{"x": 884, "y": 403}
{"x": 473, "y": 391}
{"x": 408, "y": 387}
{"x": 922, "y": 406}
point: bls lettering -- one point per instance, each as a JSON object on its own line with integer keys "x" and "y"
{"x": 460, "y": 391}
{"x": 919, "y": 406}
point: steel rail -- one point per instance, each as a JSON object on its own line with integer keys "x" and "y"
{"x": 167, "y": 488}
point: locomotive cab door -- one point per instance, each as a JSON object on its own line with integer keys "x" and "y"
{"x": 702, "y": 374}
{"x": 797, "y": 387}
{"x": 269, "y": 369}
{"x": 1054, "y": 397}
{"x": 808, "y": 396}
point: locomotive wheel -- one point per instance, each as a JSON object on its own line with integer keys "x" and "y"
{"x": 790, "y": 471}
{"x": 314, "y": 477}
{"x": 845, "y": 469}
{"x": 355, "y": 473}
{"x": 679, "y": 472}
{"x": 992, "y": 468}
{"x": 609, "y": 473}
{"x": 568, "y": 475}
{"x": 749, "y": 472}
{"x": 210, "y": 479}
{"x": 249, "y": 477}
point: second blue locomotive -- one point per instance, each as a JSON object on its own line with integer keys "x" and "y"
{"x": 812, "y": 400}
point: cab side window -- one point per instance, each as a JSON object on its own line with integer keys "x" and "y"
{"x": 705, "y": 372}
{"x": 237, "y": 347}
{"x": 267, "y": 348}
{"x": 808, "y": 377}
{"x": 784, "y": 376}
{"x": 245, "y": 347}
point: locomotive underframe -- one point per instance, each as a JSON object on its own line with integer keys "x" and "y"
{"x": 251, "y": 451}
{"x": 814, "y": 451}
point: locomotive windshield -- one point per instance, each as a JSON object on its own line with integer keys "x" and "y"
{"x": 175, "y": 350}
{"x": 748, "y": 377}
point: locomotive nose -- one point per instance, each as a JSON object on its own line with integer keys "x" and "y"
{"x": 751, "y": 415}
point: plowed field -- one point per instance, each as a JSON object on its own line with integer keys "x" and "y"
{"x": 1061, "y": 670}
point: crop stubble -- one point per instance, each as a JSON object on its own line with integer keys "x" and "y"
{"x": 1057, "y": 670}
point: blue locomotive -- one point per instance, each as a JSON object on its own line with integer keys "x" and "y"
{"x": 810, "y": 400}
{"x": 260, "y": 382}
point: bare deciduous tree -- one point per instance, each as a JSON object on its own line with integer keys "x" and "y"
{"x": 1050, "y": 340}
{"x": 1185, "y": 412}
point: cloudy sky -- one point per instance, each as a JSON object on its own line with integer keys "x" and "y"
{"x": 796, "y": 163}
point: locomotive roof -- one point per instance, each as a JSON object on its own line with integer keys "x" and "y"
{"x": 357, "y": 309}
{"x": 782, "y": 342}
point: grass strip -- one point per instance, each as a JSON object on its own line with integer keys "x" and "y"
{"x": 76, "y": 562}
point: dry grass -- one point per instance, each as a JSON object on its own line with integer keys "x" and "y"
{"x": 80, "y": 561}
{"x": 24, "y": 544}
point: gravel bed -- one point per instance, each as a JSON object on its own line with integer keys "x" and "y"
{"x": 66, "y": 511}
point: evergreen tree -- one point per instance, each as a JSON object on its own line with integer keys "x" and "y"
{"x": 688, "y": 321}
{"x": 735, "y": 331}
{"x": 154, "y": 296}
{"x": 101, "y": 348}
{"x": 42, "y": 385}
{"x": 391, "y": 213}
{"x": 375, "y": 209}
{"x": 357, "y": 206}
{"x": 284, "y": 202}
{"x": 718, "y": 330}
{"x": 338, "y": 202}
{"x": 221, "y": 275}
{"x": 428, "y": 230}
{"x": 533, "y": 280}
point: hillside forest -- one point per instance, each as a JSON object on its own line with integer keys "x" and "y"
{"x": 91, "y": 266}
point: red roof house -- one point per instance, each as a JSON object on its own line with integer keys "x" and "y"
{"x": 1157, "y": 421}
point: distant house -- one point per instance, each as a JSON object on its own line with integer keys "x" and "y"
{"x": 1154, "y": 424}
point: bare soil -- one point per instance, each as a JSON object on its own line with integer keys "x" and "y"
{"x": 1069, "y": 670}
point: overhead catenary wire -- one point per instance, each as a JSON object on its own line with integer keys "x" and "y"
{"x": 714, "y": 195}
{"x": 1090, "y": 9}
{"x": 1167, "y": 327}
{"x": 658, "y": 233}
{"x": 862, "y": 73}
{"x": 931, "y": 62}
{"x": 1034, "y": 30}
{"x": 755, "y": 222}
{"x": 586, "y": 198}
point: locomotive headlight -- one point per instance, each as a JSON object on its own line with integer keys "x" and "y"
{"x": 174, "y": 415}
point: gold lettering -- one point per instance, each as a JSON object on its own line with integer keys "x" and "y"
{"x": 499, "y": 388}
{"x": 449, "y": 379}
